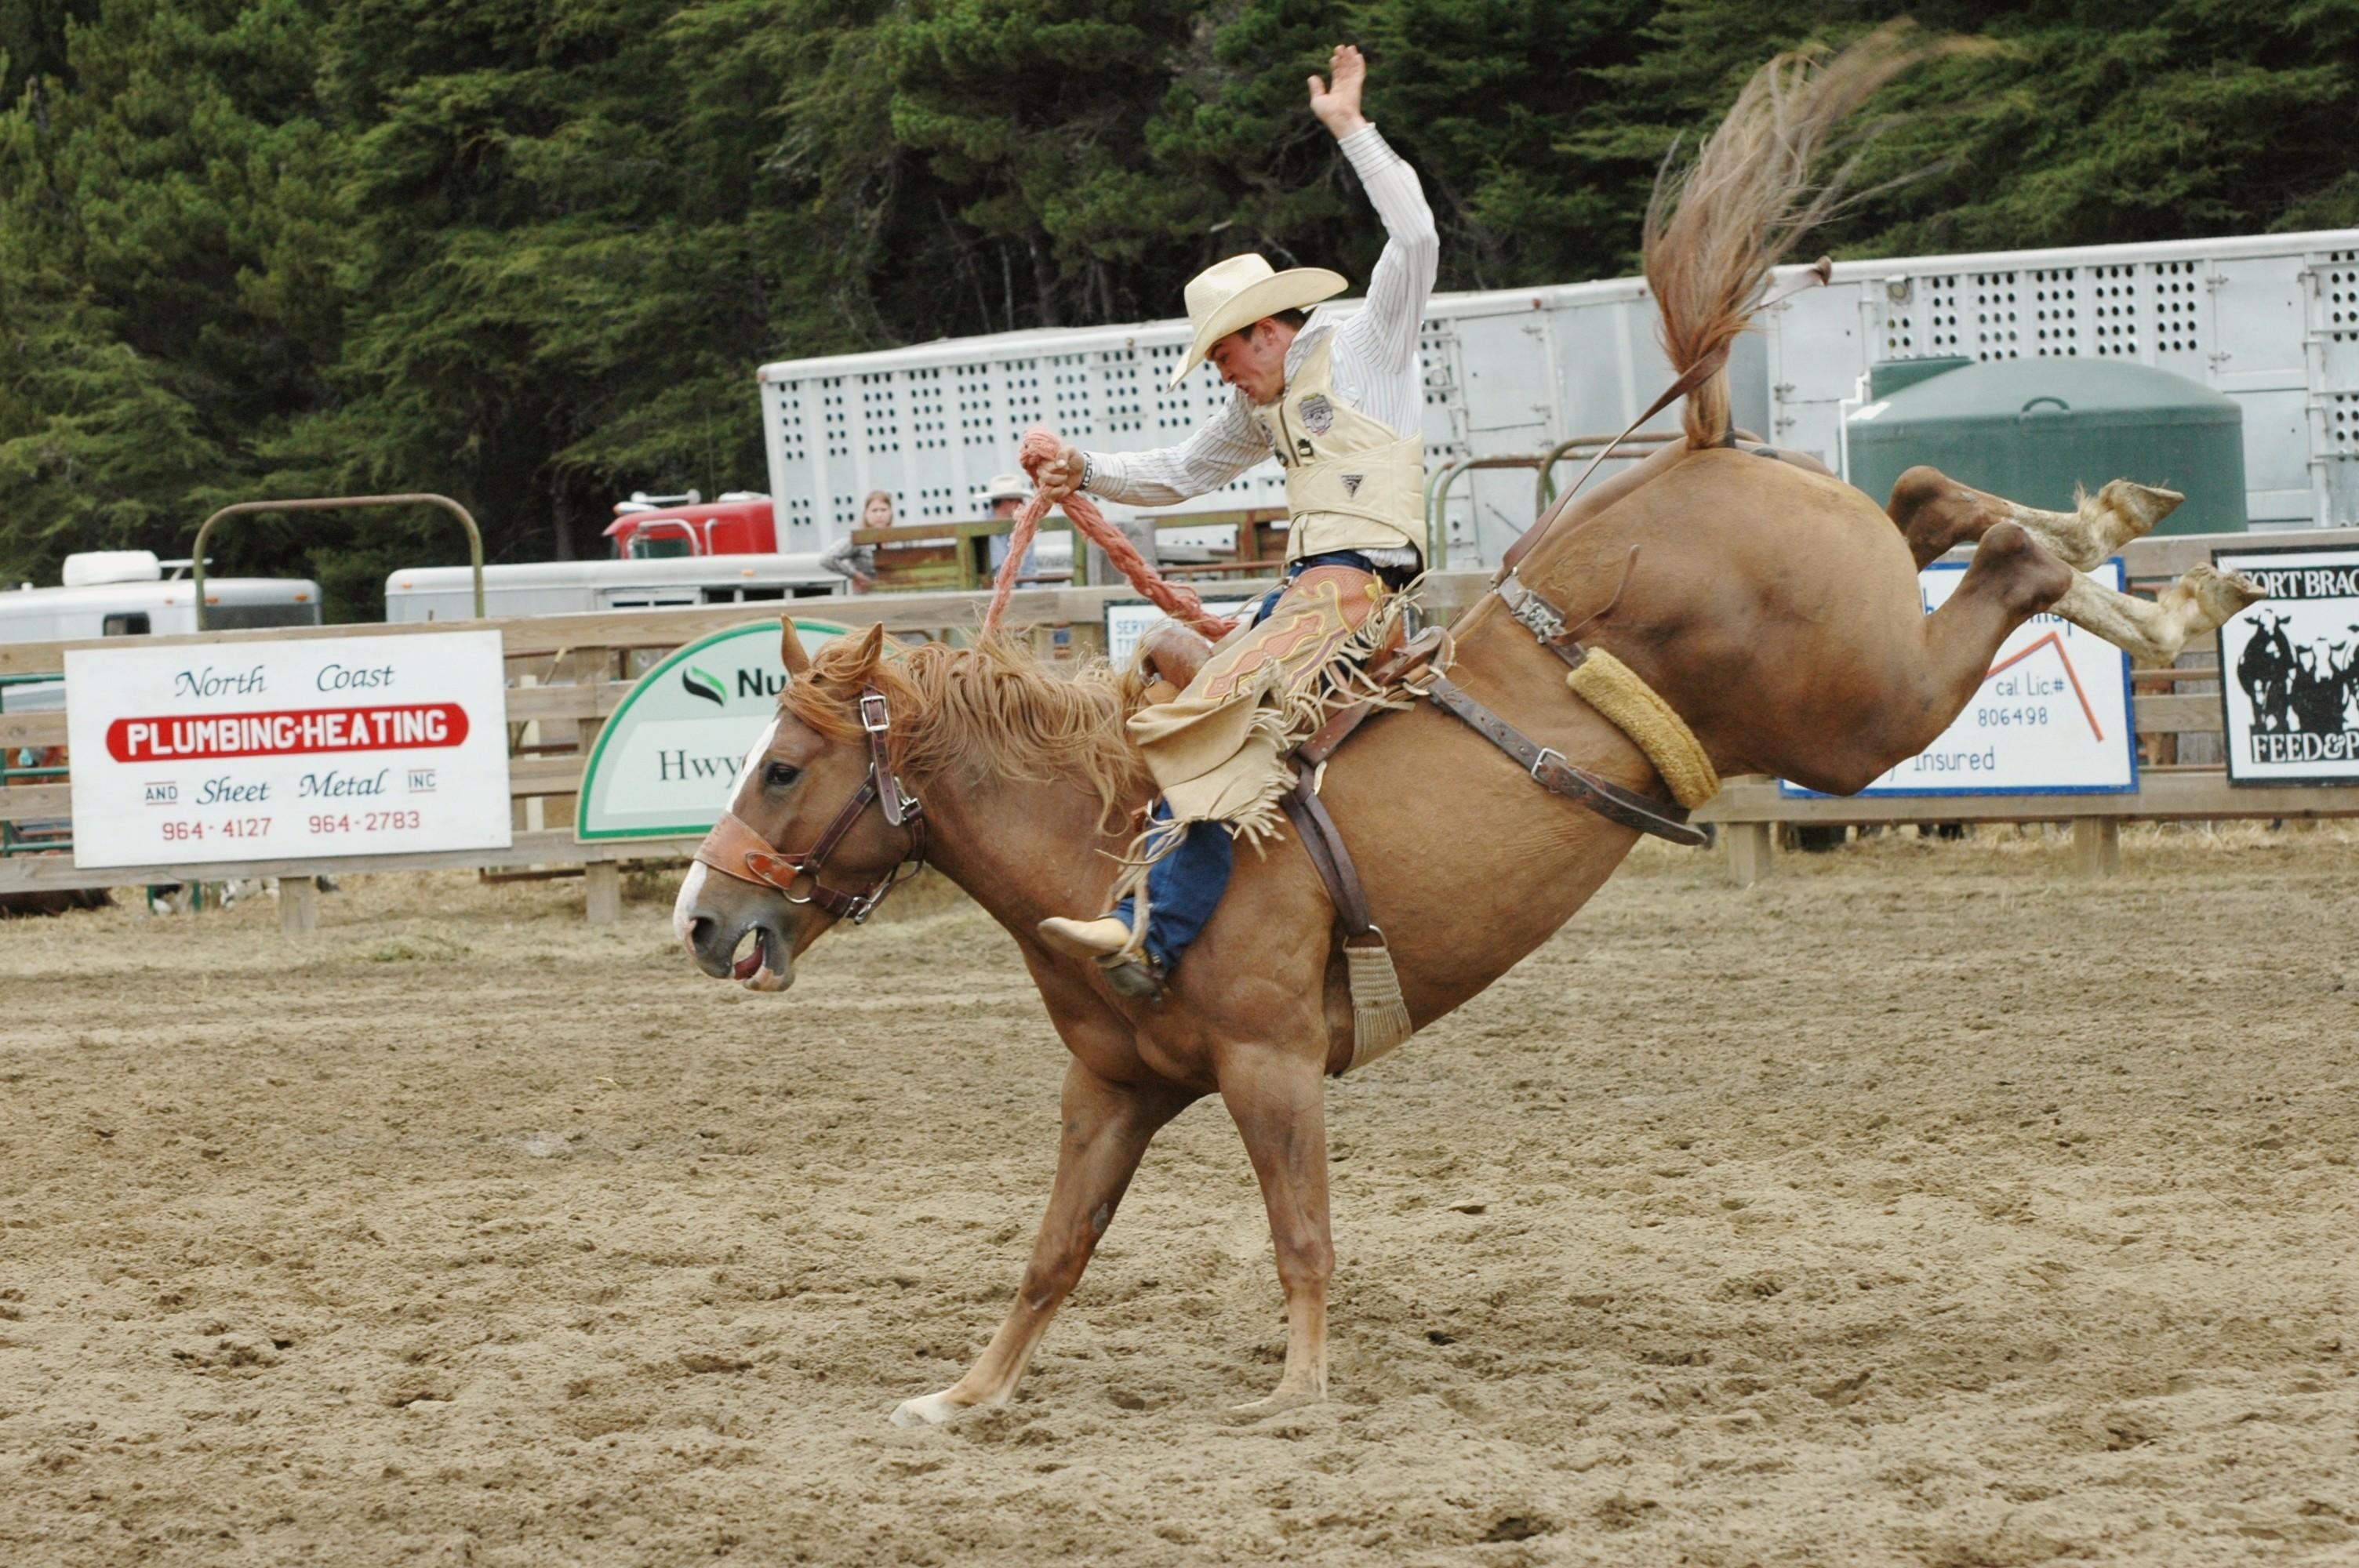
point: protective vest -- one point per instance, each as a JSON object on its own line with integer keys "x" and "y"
{"x": 1350, "y": 484}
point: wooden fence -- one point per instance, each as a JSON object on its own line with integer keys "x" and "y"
{"x": 567, "y": 674}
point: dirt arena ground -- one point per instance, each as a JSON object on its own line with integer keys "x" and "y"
{"x": 1921, "y": 1205}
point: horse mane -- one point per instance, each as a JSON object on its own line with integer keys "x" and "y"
{"x": 992, "y": 709}
{"x": 1715, "y": 228}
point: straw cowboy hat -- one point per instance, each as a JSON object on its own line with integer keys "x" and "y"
{"x": 1007, "y": 487}
{"x": 1234, "y": 294}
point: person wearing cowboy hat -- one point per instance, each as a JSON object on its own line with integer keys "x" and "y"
{"x": 1005, "y": 496}
{"x": 1338, "y": 400}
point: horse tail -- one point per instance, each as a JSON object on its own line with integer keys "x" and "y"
{"x": 1716, "y": 226}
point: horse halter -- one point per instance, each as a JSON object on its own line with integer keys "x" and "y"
{"x": 735, "y": 849}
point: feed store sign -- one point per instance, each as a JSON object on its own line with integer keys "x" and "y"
{"x": 338, "y": 747}
{"x": 2292, "y": 662}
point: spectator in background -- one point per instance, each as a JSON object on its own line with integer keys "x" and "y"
{"x": 858, "y": 561}
{"x": 1005, "y": 496}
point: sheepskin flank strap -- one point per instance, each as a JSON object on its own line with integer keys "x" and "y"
{"x": 1612, "y": 687}
{"x": 1616, "y": 690}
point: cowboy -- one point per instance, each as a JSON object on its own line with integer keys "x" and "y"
{"x": 1339, "y": 403}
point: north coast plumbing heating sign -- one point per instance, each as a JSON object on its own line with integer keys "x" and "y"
{"x": 2051, "y": 716}
{"x": 666, "y": 763}
{"x": 282, "y": 750}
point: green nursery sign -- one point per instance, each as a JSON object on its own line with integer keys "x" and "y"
{"x": 666, "y": 761}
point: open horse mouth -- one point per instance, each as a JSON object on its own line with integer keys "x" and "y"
{"x": 768, "y": 962}
{"x": 757, "y": 957}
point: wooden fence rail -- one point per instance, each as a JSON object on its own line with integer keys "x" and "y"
{"x": 565, "y": 679}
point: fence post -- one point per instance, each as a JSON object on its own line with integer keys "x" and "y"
{"x": 299, "y": 905}
{"x": 2097, "y": 846}
{"x": 1749, "y": 847}
{"x": 602, "y": 882}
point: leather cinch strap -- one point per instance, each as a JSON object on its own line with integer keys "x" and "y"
{"x": 1324, "y": 843}
{"x": 1550, "y": 768}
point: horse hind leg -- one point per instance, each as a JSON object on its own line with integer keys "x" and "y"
{"x": 1927, "y": 677}
{"x": 1936, "y": 513}
{"x": 2154, "y": 631}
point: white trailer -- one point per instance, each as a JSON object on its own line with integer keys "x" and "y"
{"x": 125, "y": 593}
{"x": 570, "y": 588}
{"x": 2272, "y": 320}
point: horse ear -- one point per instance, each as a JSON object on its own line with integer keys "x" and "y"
{"x": 790, "y": 649}
{"x": 871, "y": 647}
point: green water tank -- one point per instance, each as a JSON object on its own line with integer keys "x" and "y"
{"x": 2031, "y": 430}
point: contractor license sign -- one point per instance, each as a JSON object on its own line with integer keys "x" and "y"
{"x": 666, "y": 763}
{"x": 2051, "y": 717}
{"x": 2293, "y": 664}
{"x": 279, "y": 751}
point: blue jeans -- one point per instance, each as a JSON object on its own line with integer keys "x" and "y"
{"x": 1184, "y": 888}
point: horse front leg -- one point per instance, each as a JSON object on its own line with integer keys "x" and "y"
{"x": 1278, "y": 1101}
{"x": 1107, "y": 1127}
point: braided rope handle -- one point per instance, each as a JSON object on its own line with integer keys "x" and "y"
{"x": 1178, "y": 601}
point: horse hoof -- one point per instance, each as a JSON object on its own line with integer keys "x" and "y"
{"x": 2216, "y": 596}
{"x": 932, "y": 1409}
{"x": 1279, "y": 1404}
{"x": 2136, "y": 508}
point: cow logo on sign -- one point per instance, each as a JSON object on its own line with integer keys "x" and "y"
{"x": 2292, "y": 698}
{"x": 1318, "y": 413}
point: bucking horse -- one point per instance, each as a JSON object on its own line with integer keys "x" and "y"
{"x": 1771, "y": 607}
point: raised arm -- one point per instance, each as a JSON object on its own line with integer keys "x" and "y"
{"x": 1386, "y": 328}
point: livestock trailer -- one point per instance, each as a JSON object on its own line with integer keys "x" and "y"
{"x": 2269, "y": 320}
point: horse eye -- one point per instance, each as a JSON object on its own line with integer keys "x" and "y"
{"x": 778, "y": 776}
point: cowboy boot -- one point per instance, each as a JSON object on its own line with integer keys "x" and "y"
{"x": 1106, "y": 942}
{"x": 1099, "y": 938}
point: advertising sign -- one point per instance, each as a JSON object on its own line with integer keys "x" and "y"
{"x": 279, "y": 751}
{"x": 2293, "y": 664}
{"x": 1126, "y": 621}
{"x": 666, "y": 761}
{"x": 2052, "y": 716}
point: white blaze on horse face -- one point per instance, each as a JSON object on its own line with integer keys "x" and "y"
{"x": 753, "y": 757}
{"x": 683, "y": 908}
{"x": 692, "y": 887}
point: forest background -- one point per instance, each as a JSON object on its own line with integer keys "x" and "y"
{"x": 528, "y": 252}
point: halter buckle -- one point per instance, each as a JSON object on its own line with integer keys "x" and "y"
{"x": 874, "y": 717}
{"x": 1541, "y": 761}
